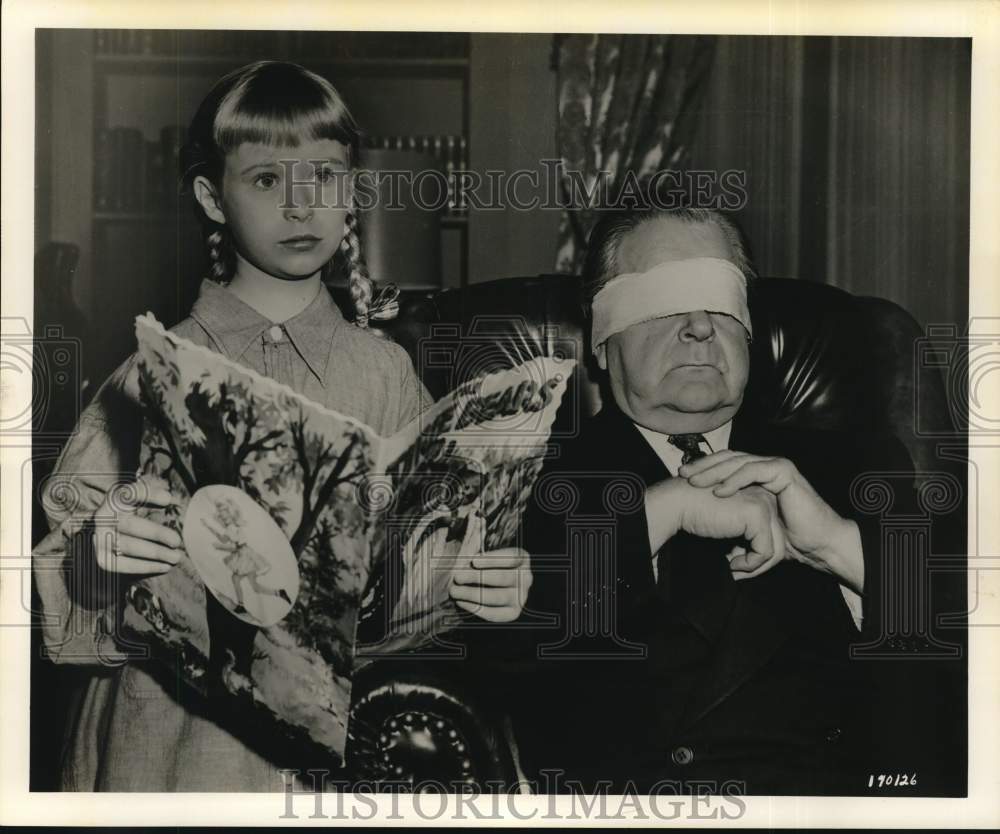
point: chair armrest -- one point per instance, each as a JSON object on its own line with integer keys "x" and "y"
{"x": 416, "y": 722}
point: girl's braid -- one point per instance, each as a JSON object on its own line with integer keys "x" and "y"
{"x": 361, "y": 286}
{"x": 216, "y": 243}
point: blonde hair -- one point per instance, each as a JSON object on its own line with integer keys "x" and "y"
{"x": 275, "y": 103}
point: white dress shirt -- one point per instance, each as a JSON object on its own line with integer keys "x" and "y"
{"x": 715, "y": 441}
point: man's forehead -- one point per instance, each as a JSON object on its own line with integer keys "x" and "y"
{"x": 669, "y": 239}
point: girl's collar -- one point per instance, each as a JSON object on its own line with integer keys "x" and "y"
{"x": 234, "y": 325}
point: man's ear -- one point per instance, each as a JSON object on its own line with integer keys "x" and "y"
{"x": 208, "y": 198}
{"x": 602, "y": 357}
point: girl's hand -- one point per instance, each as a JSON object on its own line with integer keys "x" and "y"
{"x": 496, "y": 585}
{"x": 125, "y": 543}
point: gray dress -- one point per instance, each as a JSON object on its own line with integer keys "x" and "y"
{"x": 128, "y": 732}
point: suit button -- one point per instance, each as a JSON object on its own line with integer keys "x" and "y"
{"x": 834, "y": 734}
{"x": 682, "y": 755}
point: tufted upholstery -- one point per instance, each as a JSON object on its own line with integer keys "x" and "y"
{"x": 414, "y": 723}
{"x": 821, "y": 358}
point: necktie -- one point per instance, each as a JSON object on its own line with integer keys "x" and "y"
{"x": 689, "y": 444}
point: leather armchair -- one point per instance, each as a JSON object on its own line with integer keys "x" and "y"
{"x": 820, "y": 358}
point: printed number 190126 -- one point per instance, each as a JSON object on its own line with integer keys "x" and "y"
{"x": 892, "y": 780}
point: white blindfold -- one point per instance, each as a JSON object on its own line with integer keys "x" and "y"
{"x": 709, "y": 284}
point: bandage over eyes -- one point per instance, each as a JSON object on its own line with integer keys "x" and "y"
{"x": 684, "y": 286}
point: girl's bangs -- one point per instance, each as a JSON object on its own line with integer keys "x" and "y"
{"x": 275, "y": 129}
{"x": 273, "y": 114}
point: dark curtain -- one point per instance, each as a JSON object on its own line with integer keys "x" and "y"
{"x": 626, "y": 103}
{"x": 898, "y": 199}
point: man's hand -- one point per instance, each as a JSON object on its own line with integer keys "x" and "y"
{"x": 674, "y": 505}
{"x": 495, "y": 586}
{"x": 817, "y": 535}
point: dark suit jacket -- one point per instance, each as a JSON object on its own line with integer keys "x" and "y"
{"x": 697, "y": 678}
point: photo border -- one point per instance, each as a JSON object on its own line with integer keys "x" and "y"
{"x": 954, "y": 18}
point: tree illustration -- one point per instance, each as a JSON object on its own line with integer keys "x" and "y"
{"x": 153, "y": 399}
{"x": 217, "y": 432}
{"x": 232, "y": 430}
{"x": 322, "y": 603}
{"x": 323, "y": 469}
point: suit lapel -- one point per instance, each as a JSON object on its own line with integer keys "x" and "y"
{"x": 701, "y": 587}
{"x": 704, "y": 589}
{"x": 752, "y": 634}
{"x": 741, "y": 620}
{"x": 748, "y": 617}
{"x": 698, "y": 568}
{"x": 624, "y": 449}
{"x": 626, "y": 446}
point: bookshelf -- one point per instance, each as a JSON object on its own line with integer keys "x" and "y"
{"x": 142, "y": 246}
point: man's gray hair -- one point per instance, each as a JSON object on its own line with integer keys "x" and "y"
{"x": 601, "y": 264}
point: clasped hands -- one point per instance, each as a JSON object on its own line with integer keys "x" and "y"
{"x": 765, "y": 501}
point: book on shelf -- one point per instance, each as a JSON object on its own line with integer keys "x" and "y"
{"x": 117, "y": 164}
{"x": 171, "y": 142}
{"x": 132, "y": 155}
{"x": 104, "y": 170}
{"x": 450, "y": 151}
{"x": 134, "y": 175}
{"x": 124, "y": 42}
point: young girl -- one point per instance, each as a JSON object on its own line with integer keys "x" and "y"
{"x": 267, "y": 160}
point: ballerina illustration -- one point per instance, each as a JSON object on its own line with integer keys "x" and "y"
{"x": 245, "y": 563}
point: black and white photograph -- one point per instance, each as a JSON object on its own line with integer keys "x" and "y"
{"x": 590, "y": 416}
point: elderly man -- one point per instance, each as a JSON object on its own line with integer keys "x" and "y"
{"x": 701, "y": 577}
